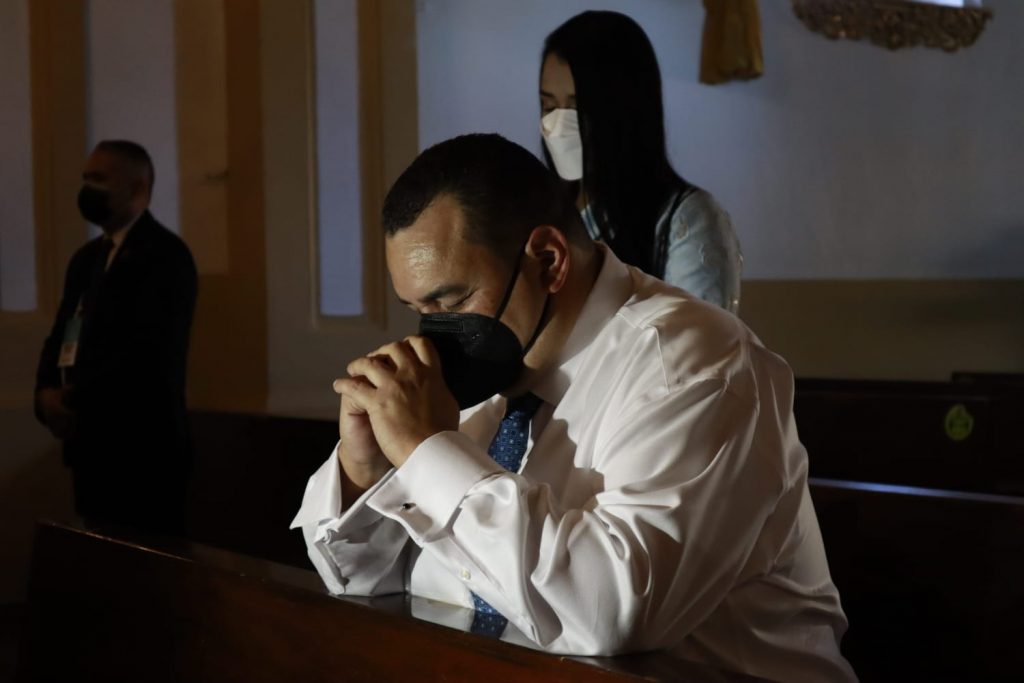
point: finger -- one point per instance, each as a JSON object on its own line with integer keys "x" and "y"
{"x": 338, "y": 383}
{"x": 350, "y": 407}
{"x": 358, "y": 391}
{"x": 425, "y": 351}
{"x": 399, "y": 353}
{"x": 376, "y": 369}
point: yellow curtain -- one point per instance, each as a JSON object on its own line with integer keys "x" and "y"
{"x": 731, "y": 48}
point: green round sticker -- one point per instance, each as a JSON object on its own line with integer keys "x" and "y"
{"x": 959, "y": 422}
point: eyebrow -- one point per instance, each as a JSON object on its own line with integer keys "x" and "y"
{"x": 439, "y": 293}
{"x": 545, "y": 93}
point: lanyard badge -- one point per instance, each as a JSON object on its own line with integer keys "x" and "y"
{"x": 69, "y": 345}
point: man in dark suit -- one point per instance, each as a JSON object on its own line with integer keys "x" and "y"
{"x": 111, "y": 377}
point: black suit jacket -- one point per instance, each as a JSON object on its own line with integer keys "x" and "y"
{"x": 128, "y": 382}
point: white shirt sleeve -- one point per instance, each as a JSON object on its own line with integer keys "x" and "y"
{"x": 357, "y": 552}
{"x": 647, "y": 557}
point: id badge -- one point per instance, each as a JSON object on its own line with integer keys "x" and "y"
{"x": 69, "y": 347}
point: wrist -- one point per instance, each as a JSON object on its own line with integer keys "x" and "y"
{"x": 361, "y": 475}
{"x": 352, "y": 491}
{"x": 405, "y": 446}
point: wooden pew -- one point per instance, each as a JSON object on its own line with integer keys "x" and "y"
{"x": 249, "y": 476}
{"x": 932, "y": 582}
{"x": 895, "y": 433}
{"x": 134, "y": 609}
{"x": 924, "y": 533}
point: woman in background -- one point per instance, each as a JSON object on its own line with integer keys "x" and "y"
{"x": 604, "y": 134}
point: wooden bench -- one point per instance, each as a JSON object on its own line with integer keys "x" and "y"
{"x": 134, "y": 609}
{"x": 932, "y": 582}
{"x": 250, "y": 474}
{"x": 895, "y": 433}
{"x": 924, "y": 533}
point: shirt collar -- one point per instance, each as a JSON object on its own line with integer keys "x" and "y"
{"x": 613, "y": 287}
{"x": 117, "y": 237}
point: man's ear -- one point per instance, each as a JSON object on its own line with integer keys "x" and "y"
{"x": 550, "y": 247}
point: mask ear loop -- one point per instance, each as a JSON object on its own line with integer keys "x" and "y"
{"x": 512, "y": 283}
{"x": 540, "y": 325}
{"x": 508, "y": 295}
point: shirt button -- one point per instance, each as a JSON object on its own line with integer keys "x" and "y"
{"x": 465, "y": 575}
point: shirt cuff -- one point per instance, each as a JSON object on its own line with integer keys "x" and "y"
{"x": 425, "y": 492}
{"x": 322, "y": 500}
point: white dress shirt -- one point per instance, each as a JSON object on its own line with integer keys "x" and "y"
{"x": 662, "y": 502}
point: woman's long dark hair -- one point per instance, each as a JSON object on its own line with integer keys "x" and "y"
{"x": 627, "y": 178}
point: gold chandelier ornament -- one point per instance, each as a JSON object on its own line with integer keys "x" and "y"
{"x": 894, "y": 23}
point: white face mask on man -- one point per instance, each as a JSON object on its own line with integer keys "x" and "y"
{"x": 561, "y": 131}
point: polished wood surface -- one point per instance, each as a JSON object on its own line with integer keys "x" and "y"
{"x": 136, "y": 609}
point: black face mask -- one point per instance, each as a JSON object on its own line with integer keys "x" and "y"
{"x": 94, "y": 204}
{"x": 480, "y": 355}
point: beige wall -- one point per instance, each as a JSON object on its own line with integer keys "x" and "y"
{"x": 890, "y": 329}
{"x": 307, "y": 351}
{"x": 222, "y": 192}
{"x": 33, "y": 483}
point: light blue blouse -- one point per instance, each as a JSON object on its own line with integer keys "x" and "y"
{"x": 704, "y": 256}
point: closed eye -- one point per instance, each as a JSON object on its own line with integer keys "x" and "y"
{"x": 456, "y": 306}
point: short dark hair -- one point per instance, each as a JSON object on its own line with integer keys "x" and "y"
{"x": 136, "y": 156}
{"x": 503, "y": 190}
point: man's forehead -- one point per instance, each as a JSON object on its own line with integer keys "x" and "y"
{"x": 433, "y": 236}
{"x": 432, "y": 251}
{"x": 102, "y": 161}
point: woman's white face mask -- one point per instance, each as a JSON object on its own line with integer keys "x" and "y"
{"x": 561, "y": 131}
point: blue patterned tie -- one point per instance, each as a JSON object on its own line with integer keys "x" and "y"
{"x": 507, "y": 449}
